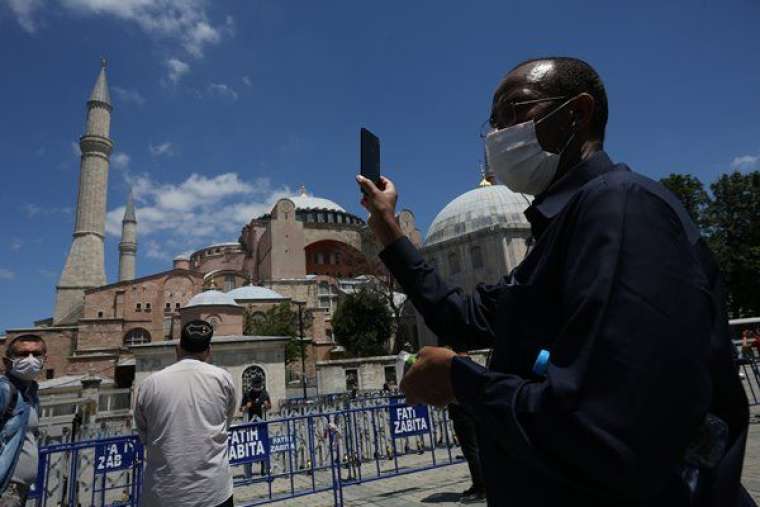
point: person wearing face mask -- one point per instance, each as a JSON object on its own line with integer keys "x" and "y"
{"x": 612, "y": 381}
{"x": 19, "y": 404}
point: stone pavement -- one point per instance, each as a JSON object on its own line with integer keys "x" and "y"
{"x": 437, "y": 487}
{"x": 751, "y": 475}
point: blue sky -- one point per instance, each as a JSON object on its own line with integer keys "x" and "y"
{"x": 221, "y": 107}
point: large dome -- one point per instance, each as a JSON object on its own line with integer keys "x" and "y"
{"x": 252, "y": 292}
{"x": 483, "y": 207}
{"x": 308, "y": 202}
{"x": 211, "y": 298}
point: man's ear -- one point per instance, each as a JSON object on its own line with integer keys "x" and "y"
{"x": 583, "y": 108}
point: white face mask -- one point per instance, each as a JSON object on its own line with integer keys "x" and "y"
{"x": 26, "y": 368}
{"x": 518, "y": 160}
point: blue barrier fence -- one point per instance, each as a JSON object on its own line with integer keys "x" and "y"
{"x": 272, "y": 460}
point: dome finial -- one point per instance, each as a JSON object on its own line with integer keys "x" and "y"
{"x": 485, "y": 180}
{"x": 302, "y": 190}
{"x": 103, "y": 62}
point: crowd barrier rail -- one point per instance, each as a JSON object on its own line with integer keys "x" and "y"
{"x": 271, "y": 461}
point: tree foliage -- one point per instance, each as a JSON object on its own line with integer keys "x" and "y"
{"x": 734, "y": 236}
{"x": 280, "y": 320}
{"x": 691, "y": 193}
{"x": 362, "y": 323}
{"x": 730, "y": 223}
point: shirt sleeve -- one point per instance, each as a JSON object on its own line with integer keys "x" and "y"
{"x": 230, "y": 387}
{"x": 627, "y": 377}
{"x": 460, "y": 321}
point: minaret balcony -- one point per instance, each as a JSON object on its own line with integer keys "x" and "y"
{"x": 92, "y": 143}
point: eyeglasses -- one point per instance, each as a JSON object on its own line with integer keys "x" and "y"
{"x": 508, "y": 114}
{"x": 36, "y": 353}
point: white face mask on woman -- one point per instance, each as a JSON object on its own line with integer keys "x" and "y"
{"x": 27, "y": 367}
{"x": 518, "y": 160}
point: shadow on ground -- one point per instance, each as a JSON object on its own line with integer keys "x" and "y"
{"x": 445, "y": 497}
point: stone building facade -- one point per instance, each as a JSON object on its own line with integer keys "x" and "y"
{"x": 303, "y": 250}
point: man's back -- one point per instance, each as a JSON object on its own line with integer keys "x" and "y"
{"x": 182, "y": 414}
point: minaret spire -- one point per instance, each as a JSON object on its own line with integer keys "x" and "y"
{"x": 128, "y": 244}
{"x": 85, "y": 265}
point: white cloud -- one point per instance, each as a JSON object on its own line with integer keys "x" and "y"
{"x": 160, "y": 150}
{"x": 223, "y": 91}
{"x": 75, "y": 149}
{"x": 177, "y": 217}
{"x": 128, "y": 95}
{"x": 182, "y": 21}
{"x": 177, "y": 69}
{"x": 25, "y": 10}
{"x": 16, "y": 244}
{"x": 120, "y": 160}
{"x": 246, "y": 81}
{"x": 33, "y": 210}
{"x": 200, "y": 35}
{"x": 746, "y": 163}
{"x": 7, "y": 274}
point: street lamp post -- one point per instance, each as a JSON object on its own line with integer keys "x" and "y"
{"x": 300, "y": 305}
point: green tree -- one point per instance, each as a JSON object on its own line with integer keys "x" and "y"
{"x": 280, "y": 320}
{"x": 362, "y": 323}
{"x": 734, "y": 237}
{"x": 692, "y": 195}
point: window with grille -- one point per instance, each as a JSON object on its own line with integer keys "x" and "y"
{"x": 136, "y": 336}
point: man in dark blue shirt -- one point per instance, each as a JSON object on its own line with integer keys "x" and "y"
{"x": 640, "y": 403}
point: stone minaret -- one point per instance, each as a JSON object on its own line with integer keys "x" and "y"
{"x": 128, "y": 245}
{"x": 85, "y": 266}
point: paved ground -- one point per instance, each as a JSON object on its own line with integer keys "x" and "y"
{"x": 441, "y": 487}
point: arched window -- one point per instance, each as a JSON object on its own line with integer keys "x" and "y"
{"x": 251, "y": 375}
{"x": 136, "y": 336}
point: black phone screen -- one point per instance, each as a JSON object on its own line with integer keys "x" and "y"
{"x": 370, "y": 156}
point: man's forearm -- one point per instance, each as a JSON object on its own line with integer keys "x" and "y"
{"x": 386, "y": 229}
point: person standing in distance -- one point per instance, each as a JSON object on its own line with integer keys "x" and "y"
{"x": 640, "y": 403}
{"x": 256, "y": 403}
{"x": 182, "y": 414}
{"x": 19, "y": 414}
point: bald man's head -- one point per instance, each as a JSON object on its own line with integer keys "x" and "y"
{"x": 555, "y": 77}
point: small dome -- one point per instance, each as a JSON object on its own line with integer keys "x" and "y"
{"x": 182, "y": 257}
{"x": 483, "y": 207}
{"x": 211, "y": 298}
{"x": 252, "y": 292}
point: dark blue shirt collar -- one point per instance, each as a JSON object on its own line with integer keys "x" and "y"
{"x": 547, "y": 205}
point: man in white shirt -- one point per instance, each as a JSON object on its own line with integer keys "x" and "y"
{"x": 182, "y": 414}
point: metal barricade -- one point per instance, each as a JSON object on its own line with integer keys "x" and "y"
{"x": 749, "y": 372}
{"x": 97, "y": 473}
{"x": 272, "y": 460}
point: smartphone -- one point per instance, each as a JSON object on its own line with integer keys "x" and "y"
{"x": 370, "y": 156}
